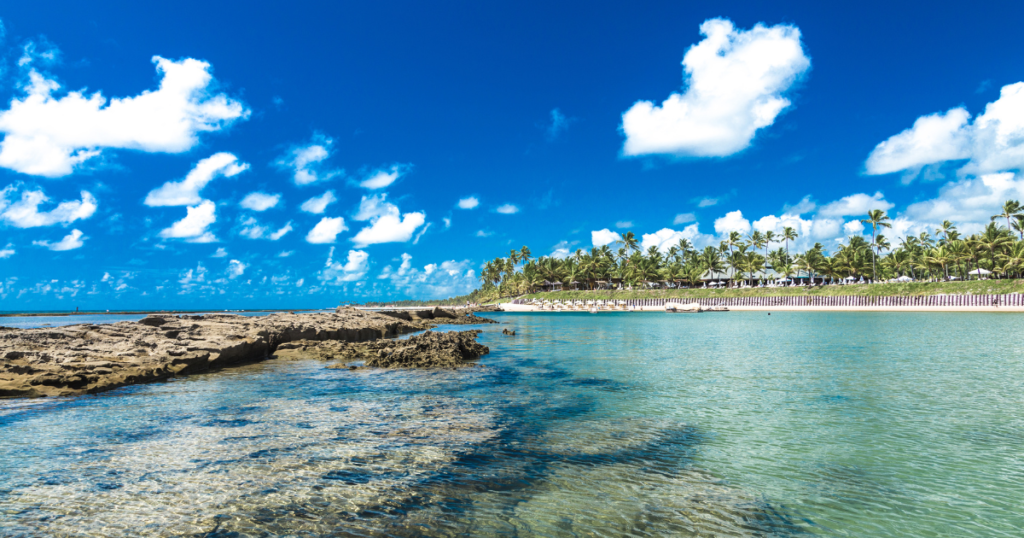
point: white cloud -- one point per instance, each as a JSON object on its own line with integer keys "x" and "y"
{"x": 260, "y": 201}
{"x": 305, "y": 162}
{"x": 25, "y": 212}
{"x": 735, "y": 81}
{"x": 285, "y": 253}
{"x": 221, "y": 253}
{"x": 469, "y": 202}
{"x": 353, "y": 269}
{"x": 994, "y": 141}
{"x": 70, "y": 242}
{"x": 683, "y": 218}
{"x": 186, "y": 191}
{"x": 235, "y": 269}
{"x": 252, "y": 229}
{"x": 300, "y": 282}
{"x": 447, "y": 279}
{"x": 326, "y": 231}
{"x": 484, "y": 233}
{"x": 600, "y": 238}
{"x": 194, "y": 226}
{"x": 389, "y": 229}
{"x": 281, "y": 232}
{"x": 507, "y": 209}
{"x": 805, "y": 205}
{"x": 624, "y": 224}
{"x": 809, "y": 231}
{"x": 707, "y": 202}
{"x": 934, "y": 138}
{"x": 378, "y": 179}
{"x": 447, "y": 222}
{"x": 562, "y": 250}
{"x": 50, "y": 136}
{"x": 318, "y": 204}
{"x": 854, "y": 227}
{"x": 387, "y": 224}
{"x": 733, "y": 221}
{"x": 6, "y": 252}
{"x": 969, "y": 202}
{"x": 666, "y": 237}
{"x": 855, "y": 205}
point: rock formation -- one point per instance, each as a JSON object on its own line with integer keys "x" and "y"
{"x": 92, "y": 358}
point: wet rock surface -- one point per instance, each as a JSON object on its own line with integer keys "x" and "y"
{"x": 80, "y": 359}
{"x": 428, "y": 350}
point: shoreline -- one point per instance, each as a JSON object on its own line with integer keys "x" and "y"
{"x": 530, "y": 309}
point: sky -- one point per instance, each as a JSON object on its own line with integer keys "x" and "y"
{"x": 211, "y": 155}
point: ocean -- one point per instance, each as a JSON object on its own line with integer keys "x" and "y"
{"x": 615, "y": 424}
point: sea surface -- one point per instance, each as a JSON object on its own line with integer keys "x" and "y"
{"x": 615, "y": 424}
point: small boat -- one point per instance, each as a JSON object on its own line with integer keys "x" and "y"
{"x": 717, "y": 308}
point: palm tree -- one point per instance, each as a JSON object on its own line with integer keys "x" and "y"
{"x": 1018, "y": 225}
{"x": 877, "y": 218}
{"x": 524, "y": 253}
{"x": 1011, "y": 208}
{"x": 629, "y": 242}
{"x": 946, "y": 229}
{"x": 788, "y": 234}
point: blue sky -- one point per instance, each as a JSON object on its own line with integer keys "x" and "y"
{"x": 209, "y": 155}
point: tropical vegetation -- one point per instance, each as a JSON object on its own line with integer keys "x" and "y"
{"x": 997, "y": 251}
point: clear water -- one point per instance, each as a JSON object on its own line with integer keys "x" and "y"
{"x": 731, "y": 424}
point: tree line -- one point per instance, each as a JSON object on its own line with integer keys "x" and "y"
{"x": 943, "y": 255}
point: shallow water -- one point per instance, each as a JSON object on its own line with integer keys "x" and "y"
{"x": 737, "y": 424}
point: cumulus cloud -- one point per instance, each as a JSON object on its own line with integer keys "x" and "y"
{"x": 683, "y": 218}
{"x": 562, "y": 250}
{"x": 733, "y": 221}
{"x": 70, "y": 242}
{"x": 6, "y": 252}
{"x": 447, "y": 279}
{"x": 993, "y": 142}
{"x": 260, "y": 201}
{"x": 855, "y": 205}
{"x": 378, "y": 179}
{"x": 50, "y": 136}
{"x": 484, "y": 233}
{"x": 186, "y": 191}
{"x": 600, "y": 238}
{"x": 305, "y": 162}
{"x": 969, "y": 202}
{"x": 235, "y": 268}
{"x": 735, "y": 82}
{"x": 389, "y": 229}
{"x": 507, "y": 209}
{"x": 854, "y": 227}
{"x": 194, "y": 226}
{"x": 469, "y": 202}
{"x": 326, "y": 231}
{"x": 220, "y": 253}
{"x": 387, "y": 224}
{"x": 318, "y": 204}
{"x": 354, "y": 268}
{"x": 251, "y": 228}
{"x": 665, "y": 238}
{"x": 624, "y": 224}
{"x": 25, "y": 212}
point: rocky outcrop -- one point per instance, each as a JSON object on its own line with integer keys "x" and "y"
{"x": 427, "y": 350}
{"x": 92, "y": 358}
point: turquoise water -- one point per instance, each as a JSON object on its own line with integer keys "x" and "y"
{"x": 726, "y": 424}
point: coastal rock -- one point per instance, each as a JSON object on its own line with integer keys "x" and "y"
{"x": 92, "y": 358}
{"x": 428, "y": 350}
{"x": 438, "y": 315}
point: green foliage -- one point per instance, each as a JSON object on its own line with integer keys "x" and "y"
{"x": 932, "y": 261}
